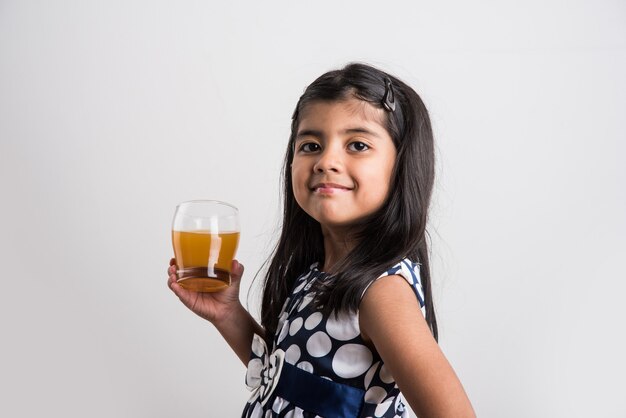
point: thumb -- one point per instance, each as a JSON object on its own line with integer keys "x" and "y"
{"x": 236, "y": 271}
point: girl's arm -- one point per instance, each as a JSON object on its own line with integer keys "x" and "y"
{"x": 223, "y": 309}
{"x": 238, "y": 329}
{"x": 390, "y": 317}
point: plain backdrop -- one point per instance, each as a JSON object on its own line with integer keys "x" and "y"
{"x": 111, "y": 113}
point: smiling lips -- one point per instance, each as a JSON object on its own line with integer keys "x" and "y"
{"x": 329, "y": 188}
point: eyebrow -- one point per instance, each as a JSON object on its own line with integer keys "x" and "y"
{"x": 320, "y": 134}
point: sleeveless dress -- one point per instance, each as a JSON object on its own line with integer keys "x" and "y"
{"x": 320, "y": 366}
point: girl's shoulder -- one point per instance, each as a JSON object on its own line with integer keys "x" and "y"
{"x": 409, "y": 271}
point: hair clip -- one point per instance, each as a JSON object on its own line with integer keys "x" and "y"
{"x": 389, "y": 99}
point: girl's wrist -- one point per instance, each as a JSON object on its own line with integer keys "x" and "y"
{"x": 229, "y": 316}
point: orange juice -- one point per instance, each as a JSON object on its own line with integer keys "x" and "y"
{"x": 204, "y": 259}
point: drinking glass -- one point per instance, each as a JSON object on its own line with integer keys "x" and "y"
{"x": 205, "y": 235}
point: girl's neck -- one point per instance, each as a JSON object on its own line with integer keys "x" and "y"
{"x": 337, "y": 244}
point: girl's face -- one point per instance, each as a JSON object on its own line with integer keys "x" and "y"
{"x": 343, "y": 161}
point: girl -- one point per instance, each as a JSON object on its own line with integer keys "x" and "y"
{"x": 348, "y": 327}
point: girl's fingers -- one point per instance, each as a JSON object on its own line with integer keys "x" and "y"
{"x": 171, "y": 279}
{"x": 172, "y": 269}
{"x": 236, "y": 271}
{"x": 177, "y": 289}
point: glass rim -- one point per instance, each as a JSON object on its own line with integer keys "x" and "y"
{"x": 221, "y": 202}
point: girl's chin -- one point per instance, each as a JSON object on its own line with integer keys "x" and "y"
{"x": 338, "y": 223}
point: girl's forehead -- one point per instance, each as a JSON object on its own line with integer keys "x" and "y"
{"x": 351, "y": 110}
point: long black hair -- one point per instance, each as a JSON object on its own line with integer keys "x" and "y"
{"x": 396, "y": 231}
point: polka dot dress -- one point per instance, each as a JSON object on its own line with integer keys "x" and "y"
{"x": 330, "y": 348}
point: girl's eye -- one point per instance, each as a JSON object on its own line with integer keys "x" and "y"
{"x": 358, "y": 146}
{"x": 309, "y": 147}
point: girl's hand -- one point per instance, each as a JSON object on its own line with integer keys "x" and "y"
{"x": 214, "y": 307}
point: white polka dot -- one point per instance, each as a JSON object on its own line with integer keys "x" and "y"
{"x": 313, "y": 320}
{"x": 382, "y": 408}
{"x": 296, "y": 413}
{"x": 370, "y": 374}
{"x": 305, "y": 301}
{"x": 299, "y": 287}
{"x": 343, "y": 328}
{"x": 257, "y": 346}
{"x": 279, "y": 404}
{"x": 375, "y": 394}
{"x": 268, "y": 414}
{"x": 295, "y": 326}
{"x": 292, "y": 355}
{"x": 319, "y": 344}
{"x": 257, "y": 412}
{"x": 283, "y": 332}
{"x": 385, "y": 375}
{"x": 254, "y": 372}
{"x": 352, "y": 360}
{"x": 306, "y": 366}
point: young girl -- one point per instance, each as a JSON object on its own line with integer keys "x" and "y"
{"x": 348, "y": 327}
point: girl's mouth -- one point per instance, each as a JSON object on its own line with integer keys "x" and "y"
{"x": 329, "y": 188}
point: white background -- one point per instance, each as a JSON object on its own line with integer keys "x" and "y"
{"x": 113, "y": 112}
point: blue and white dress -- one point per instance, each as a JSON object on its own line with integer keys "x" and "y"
{"x": 320, "y": 366}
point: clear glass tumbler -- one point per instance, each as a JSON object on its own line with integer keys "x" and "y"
{"x": 205, "y": 236}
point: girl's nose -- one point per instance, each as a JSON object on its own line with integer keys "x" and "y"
{"x": 329, "y": 160}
